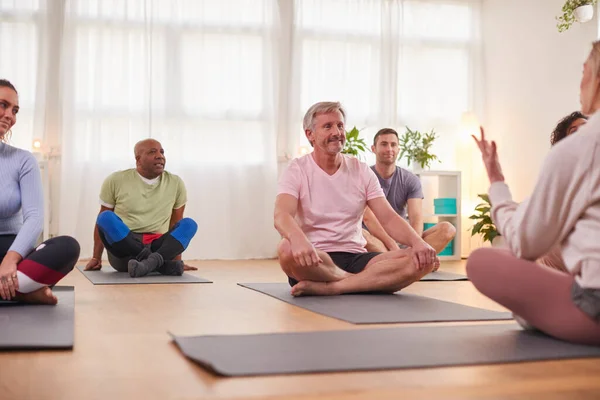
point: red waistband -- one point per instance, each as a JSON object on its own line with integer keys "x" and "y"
{"x": 148, "y": 238}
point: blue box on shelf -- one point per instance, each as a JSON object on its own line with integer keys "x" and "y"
{"x": 446, "y": 205}
{"x": 448, "y": 250}
{"x": 428, "y": 225}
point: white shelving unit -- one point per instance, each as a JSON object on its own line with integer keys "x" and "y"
{"x": 438, "y": 184}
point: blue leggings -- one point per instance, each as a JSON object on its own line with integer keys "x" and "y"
{"x": 123, "y": 243}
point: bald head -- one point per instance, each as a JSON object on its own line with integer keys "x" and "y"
{"x": 149, "y": 158}
{"x": 142, "y": 145}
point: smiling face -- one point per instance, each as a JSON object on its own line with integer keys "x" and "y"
{"x": 386, "y": 149}
{"x": 150, "y": 158}
{"x": 9, "y": 107}
{"x": 327, "y": 134}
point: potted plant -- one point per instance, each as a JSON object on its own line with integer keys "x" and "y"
{"x": 484, "y": 225}
{"x": 355, "y": 146}
{"x": 575, "y": 10}
{"x": 416, "y": 148}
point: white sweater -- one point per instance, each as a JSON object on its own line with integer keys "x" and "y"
{"x": 563, "y": 210}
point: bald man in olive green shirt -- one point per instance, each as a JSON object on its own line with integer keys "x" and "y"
{"x": 141, "y": 220}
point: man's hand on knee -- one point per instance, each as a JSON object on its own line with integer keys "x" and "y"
{"x": 424, "y": 256}
{"x": 304, "y": 253}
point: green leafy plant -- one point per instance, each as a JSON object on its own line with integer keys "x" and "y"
{"x": 484, "y": 225}
{"x": 567, "y": 18}
{"x": 416, "y": 147}
{"x": 355, "y": 146}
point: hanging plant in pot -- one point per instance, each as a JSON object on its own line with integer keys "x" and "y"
{"x": 416, "y": 148}
{"x": 575, "y": 11}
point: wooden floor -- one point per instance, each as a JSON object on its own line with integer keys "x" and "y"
{"x": 122, "y": 349}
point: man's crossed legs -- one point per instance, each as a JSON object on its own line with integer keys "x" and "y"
{"x": 440, "y": 235}
{"x": 364, "y": 272}
{"x": 128, "y": 252}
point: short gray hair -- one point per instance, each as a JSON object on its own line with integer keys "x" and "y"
{"x": 323, "y": 107}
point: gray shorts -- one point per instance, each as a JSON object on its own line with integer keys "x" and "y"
{"x": 587, "y": 299}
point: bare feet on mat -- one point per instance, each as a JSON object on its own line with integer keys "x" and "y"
{"x": 189, "y": 268}
{"x": 311, "y": 288}
{"x": 41, "y": 296}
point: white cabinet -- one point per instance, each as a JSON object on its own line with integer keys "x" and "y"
{"x": 442, "y": 184}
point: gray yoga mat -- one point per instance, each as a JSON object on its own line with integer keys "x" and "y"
{"x": 444, "y": 276}
{"x": 380, "y": 308}
{"x": 25, "y": 326}
{"x": 374, "y": 349}
{"x": 109, "y": 276}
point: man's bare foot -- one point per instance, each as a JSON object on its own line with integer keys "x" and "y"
{"x": 324, "y": 272}
{"x": 311, "y": 288}
{"x": 41, "y": 296}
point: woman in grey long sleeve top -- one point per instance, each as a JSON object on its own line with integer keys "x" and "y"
{"x": 564, "y": 211}
{"x": 26, "y": 271}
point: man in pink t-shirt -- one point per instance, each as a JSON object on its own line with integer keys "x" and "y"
{"x": 318, "y": 212}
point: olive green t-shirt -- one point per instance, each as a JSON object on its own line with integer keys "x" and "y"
{"x": 144, "y": 208}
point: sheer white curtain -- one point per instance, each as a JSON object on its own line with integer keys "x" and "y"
{"x": 195, "y": 75}
{"x": 223, "y": 84}
{"x": 21, "y": 23}
{"x": 392, "y": 63}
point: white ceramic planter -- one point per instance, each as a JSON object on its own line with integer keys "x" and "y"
{"x": 584, "y": 13}
{"x": 416, "y": 167}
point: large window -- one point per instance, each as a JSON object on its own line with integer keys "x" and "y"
{"x": 223, "y": 84}
{"x": 195, "y": 71}
{"x": 194, "y": 74}
{"x": 339, "y": 50}
{"x": 391, "y": 63}
{"x": 20, "y": 22}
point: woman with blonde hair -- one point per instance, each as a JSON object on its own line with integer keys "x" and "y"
{"x": 564, "y": 210}
{"x": 26, "y": 271}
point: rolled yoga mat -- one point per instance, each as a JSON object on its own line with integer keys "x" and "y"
{"x": 34, "y": 327}
{"x": 375, "y": 349}
{"x": 109, "y": 276}
{"x": 380, "y": 308}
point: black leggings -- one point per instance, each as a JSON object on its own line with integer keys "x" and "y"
{"x": 46, "y": 265}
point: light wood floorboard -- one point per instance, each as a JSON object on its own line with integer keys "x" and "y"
{"x": 123, "y": 351}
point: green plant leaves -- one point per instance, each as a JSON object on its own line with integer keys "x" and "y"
{"x": 567, "y": 18}
{"x": 484, "y": 197}
{"x": 355, "y": 145}
{"x": 485, "y": 226}
{"x": 416, "y": 146}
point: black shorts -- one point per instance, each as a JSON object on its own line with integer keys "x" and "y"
{"x": 349, "y": 262}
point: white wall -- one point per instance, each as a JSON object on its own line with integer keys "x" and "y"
{"x": 531, "y": 76}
